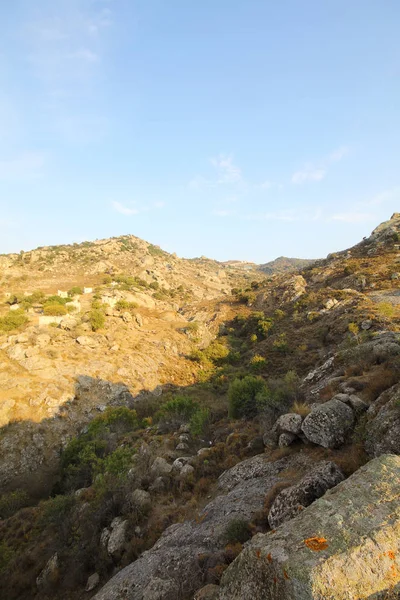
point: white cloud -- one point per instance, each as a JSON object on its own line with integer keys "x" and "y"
{"x": 338, "y": 154}
{"x": 26, "y": 166}
{"x": 124, "y": 210}
{"x": 382, "y": 197}
{"x": 353, "y": 217}
{"x": 317, "y": 172}
{"x": 227, "y": 172}
{"x": 309, "y": 173}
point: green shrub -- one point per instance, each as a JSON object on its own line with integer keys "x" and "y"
{"x": 242, "y": 395}
{"x": 125, "y": 305}
{"x": 280, "y": 344}
{"x": 11, "y": 502}
{"x": 96, "y": 319}
{"x": 257, "y": 362}
{"x": 237, "y": 530}
{"x": 13, "y": 320}
{"x": 386, "y": 310}
{"x": 180, "y": 408}
{"x": 55, "y": 510}
{"x": 199, "y": 421}
{"x": 57, "y": 300}
{"x": 75, "y": 291}
{"x": 107, "y": 279}
{"x": 54, "y": 310}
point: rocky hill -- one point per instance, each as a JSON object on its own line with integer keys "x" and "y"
{"x": 283, "y": 264}
{"x": 186, "y": 429}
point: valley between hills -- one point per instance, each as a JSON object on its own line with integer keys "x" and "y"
{"x": 176, "y": 429}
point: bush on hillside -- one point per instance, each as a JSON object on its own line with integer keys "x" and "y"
{"x": 54, "y": 310}
{"x": 242, "y": 395}
{"x": 96, "y": 319}
{"x": 13, "y": 320}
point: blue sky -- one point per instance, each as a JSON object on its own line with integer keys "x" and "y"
{"x": 241, "y": 129}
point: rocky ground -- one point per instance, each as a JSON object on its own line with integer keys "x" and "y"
{"x": 217, "y": 442}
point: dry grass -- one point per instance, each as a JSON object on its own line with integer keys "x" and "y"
{"x": 300, "y": 408}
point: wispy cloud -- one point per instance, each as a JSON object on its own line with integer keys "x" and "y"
{"x": 133, "y": 209}
{"x": 64, "y": 43}
{"x": 25, "y": 166}
{"x": 317, "y": 172}
{"x": 124, "y": 210}
{"x": 227, "y": 171}
{"x": 308, "y": 173}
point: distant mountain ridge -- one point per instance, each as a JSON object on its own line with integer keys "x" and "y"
{"x": 283, "y": 264}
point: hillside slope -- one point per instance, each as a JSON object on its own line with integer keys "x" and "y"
{"x": 220, "y": 417}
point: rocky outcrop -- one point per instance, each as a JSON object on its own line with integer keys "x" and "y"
{"x": 329, "y": 424}
{"x": 172, "y": 566}
{"x": 344, "y": 546}
{"x": 383, "y": 428}
{"x": 291, "y": 501}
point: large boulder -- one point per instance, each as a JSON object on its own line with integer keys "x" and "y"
{"x": 290, "y": 423}
{"x": 172, "y": 566}
{"x": 345, "y": 546}
{"x": 329, "y": 424}
{"x": 294, "y": 499}
{"x": 383, "y": 429}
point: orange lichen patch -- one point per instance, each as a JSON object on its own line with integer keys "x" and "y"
{"x": 316, "y": 543}
{"x": 391, "y": 554}
{"x": 258, "y": 553}
{"x": 269, "y": 557}
{"x": 286, "y": 576}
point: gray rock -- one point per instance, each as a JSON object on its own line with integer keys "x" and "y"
{"x": 160, "y": 467}
{"x": 126, "y": 317}
{"x": 141, "y": 500}
{"x": 139, "y": 319}
{"x": 294, "y": 499}
{"x": 159, "y": 485}
{"x": 329, "y": 424}
{"x": 383, "y": 427}
{"x": 179, "y": 463}
{"x": 291, "y": 423}
{"x": 174, "y": 557}
{"x": 50, "y": 574}
{"x": 87, "y": 341}
{"x": 186, "y": 472}
{"x": 320, "y": 372}
{"x": 209, "y": 592}
{"x": 182, "y": 447}
{"x": 286, "y": 439}
{"x": 92, "y": 582}
{"x": 116, "y": 539}
{"x": 358, "y": 405}
{"x": 342, "y": 547}
{"x": 365, "y": 325}
{"x": 161, "y": 589}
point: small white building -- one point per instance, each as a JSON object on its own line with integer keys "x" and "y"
{"x": 62, "y": 294}
{"x": 109, "y": 301}
{"x": 87, "y": 290}
{"x": 47, "y": 320}
{"x": 15, "y": 307}
{"x": 76, "y": 304}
